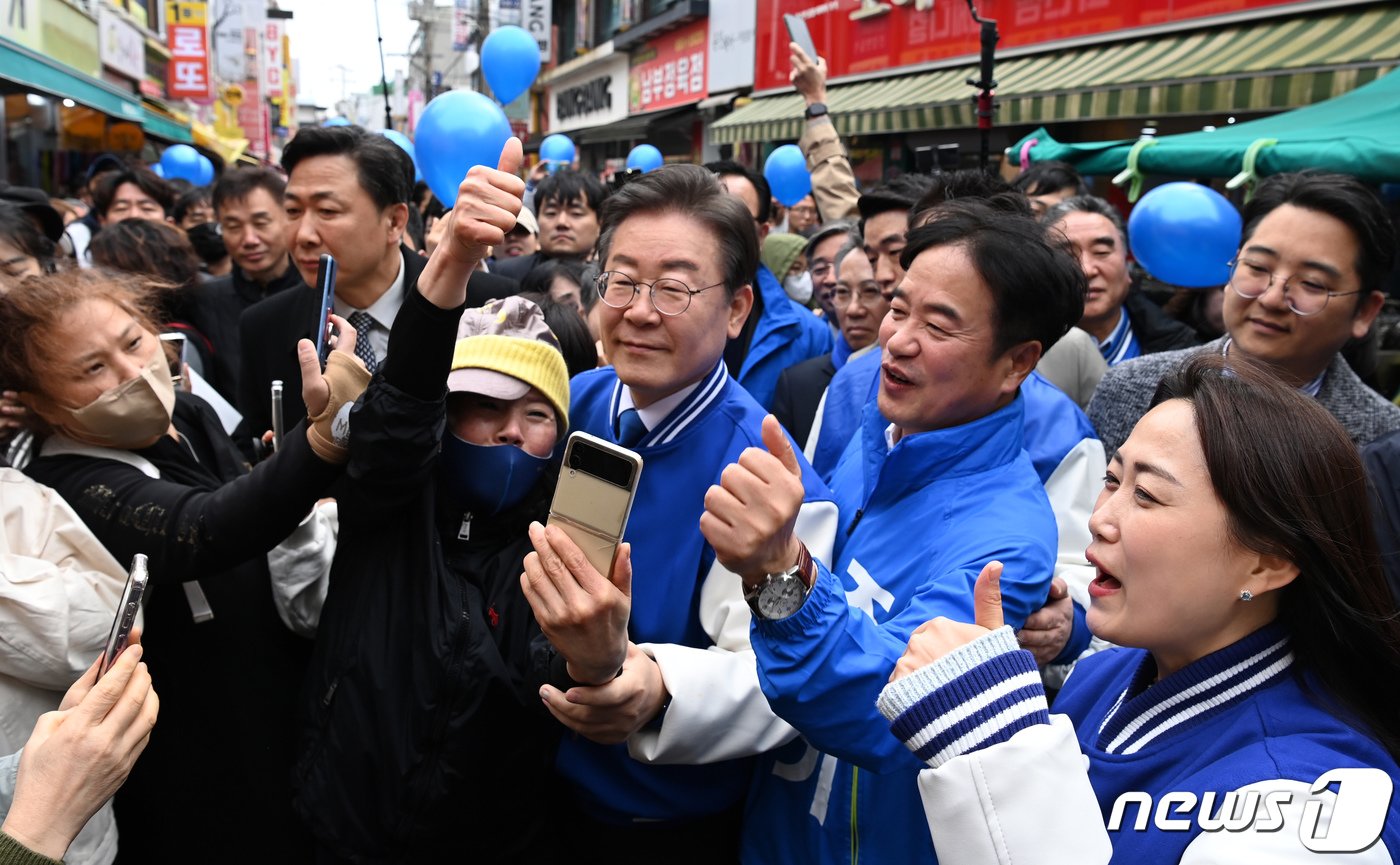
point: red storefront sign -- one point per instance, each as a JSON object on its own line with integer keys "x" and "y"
{"x": 864, "y": 36}
{"x": 189, "y": 51}
{"x": 671, "y": 70}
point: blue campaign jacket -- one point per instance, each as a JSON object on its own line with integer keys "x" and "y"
{"x": 918, "y": 523}
{"x": 671, "y": 560}
{"x": 787, "y": 333}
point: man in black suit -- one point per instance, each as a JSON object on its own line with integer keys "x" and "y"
{"x": 348, "y": 194}
{"x": 566, "y": 207}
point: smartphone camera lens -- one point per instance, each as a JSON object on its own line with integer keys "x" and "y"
{"x": 575, "y": 459}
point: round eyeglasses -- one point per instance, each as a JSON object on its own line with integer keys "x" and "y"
{"x": 1305, "y": 293}
{"x": 668, "y": 296}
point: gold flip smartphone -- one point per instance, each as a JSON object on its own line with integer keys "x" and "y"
{"x": 594, "y": 496}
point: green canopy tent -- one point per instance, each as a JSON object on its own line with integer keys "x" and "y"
{"x": 1357, "y": 133}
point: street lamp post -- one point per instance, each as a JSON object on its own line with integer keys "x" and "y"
{"x": 986, "y": 87}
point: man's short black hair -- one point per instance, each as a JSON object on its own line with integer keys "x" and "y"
{"x": 694, "y": 192}
{"x": 385, "y": 171}
{"x": 142, "y": 178}
{"x": 188, "y": 201}
{"x": 566, "y": 186}
{"x": 730, "y": 168}
{"x": 236, "y": 186}
{"x": 962, "y": 184}
{"x": 1037, "y": 286}
{"x": 1043, "y": 178}
{"x": 902, "y": 193}
{"x": 1345, "y": 199}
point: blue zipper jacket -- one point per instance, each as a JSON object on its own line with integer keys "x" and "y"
{"x": 919, "y": 521}
{"x": 786, "y": 334}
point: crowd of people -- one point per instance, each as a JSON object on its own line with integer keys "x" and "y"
{"x": 922, "y": 463}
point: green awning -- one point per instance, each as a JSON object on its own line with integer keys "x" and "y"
{"x": 1352, "y": 134}
{"x": 165, "y": 128}
{"x": 28, "y": 69}
{"x": 1259, "y": 66}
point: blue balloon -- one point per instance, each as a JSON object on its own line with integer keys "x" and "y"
{"x": 645, "y": 157}
{"x": 787, "y": 174}
{"x": 407, "y": 147}
{"x": 558, "y": 150}
{"x": 181, "y": 162}
{"x": 336, "y": 121}
{"x": 157, "y": 169}
{"x": 1185, "y": 234}
{"x": 458, "y": 129}
{"x": 510, "y": 60}
{"x": 206, "y": 172}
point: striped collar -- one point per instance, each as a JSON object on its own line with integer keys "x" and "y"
{"x": 1312, "y": 388}
{"x": 1121, "y": 345}
{"x": 681, "y": 416}
{"x": 1149, "y": 710}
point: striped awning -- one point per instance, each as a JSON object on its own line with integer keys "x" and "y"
{"x": 1259, "y": 66}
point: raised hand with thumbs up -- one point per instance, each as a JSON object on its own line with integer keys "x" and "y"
{"x": 750, "y": 514}
{"x": 937, "y": 637}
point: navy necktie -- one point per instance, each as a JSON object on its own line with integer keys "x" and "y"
{"x": 363, "y": 323}
{"x": 630, "y": 428}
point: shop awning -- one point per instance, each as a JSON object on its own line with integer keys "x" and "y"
{"x": 1352, "y": 134}
{"x": 165, "y": 124}
{"x": 229, "y": 148}
{"x": 1258, "y": 66}
{"x": 28, "y": 69}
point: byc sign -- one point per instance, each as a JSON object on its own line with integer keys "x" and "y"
{"x": 1357, "y": 814}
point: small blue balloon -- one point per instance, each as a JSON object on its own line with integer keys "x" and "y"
{"x": 1185, "y": 234}
{"x": 645, "y": 157}
{"x": 157, "y": 169}
{"x": 458, "y": 129}
{"x": 787, "y": 174}
{"x": 558, "y": 150}
{"x": 407, "y": 147}
{"x": 336, "y": 121}
{"x": 181, "y": 162}
{"x": 206, "y": 172}
{"x": 510, "y": 60}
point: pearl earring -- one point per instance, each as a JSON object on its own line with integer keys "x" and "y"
{"x": 1246, "y": 595}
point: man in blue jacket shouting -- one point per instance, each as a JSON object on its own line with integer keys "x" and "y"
{"x": 926, "y": 499}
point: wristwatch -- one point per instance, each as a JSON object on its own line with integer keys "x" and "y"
{"x": 778, "y": 596}
{"x": 815, "y": 110}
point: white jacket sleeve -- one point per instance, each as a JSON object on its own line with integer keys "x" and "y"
{"x": 717, "y": 710}
{"x": 301, "y": 569}
{"x": 59, "y": 587}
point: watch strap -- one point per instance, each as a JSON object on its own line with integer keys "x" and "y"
{"x": 815, "y": 110}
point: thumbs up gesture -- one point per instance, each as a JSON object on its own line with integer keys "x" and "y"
{"x": 749, "y": 514}
{"x": 488, "y": 201}
{"x": 938, "y": 637}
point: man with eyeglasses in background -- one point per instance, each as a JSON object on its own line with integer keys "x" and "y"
{"x": 1316, "y": 249}
{"x": 679, "y": 257}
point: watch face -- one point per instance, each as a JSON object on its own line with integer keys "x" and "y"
{"x": 781, "y": 598}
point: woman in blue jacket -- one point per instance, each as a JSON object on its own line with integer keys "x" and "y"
{"x": 1236, "y": 566}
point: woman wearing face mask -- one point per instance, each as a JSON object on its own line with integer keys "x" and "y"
{"x": 785, "y": 255}
{"x": 151, "y": 471}
{"x": 424, "y": 739}
{"x": 1237, "y": 568}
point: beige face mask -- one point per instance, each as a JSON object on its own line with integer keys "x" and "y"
{"x": 127, "y": 416}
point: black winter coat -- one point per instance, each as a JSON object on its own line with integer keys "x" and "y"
{"x": 423, "y": 735}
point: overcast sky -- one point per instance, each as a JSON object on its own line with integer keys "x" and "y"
{"x": 334, "y": 42}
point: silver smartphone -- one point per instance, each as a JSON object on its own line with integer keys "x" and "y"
{"x": 798, "y": 32}
{"x": 125, "y": 618}
{"x": 593, "y": 498}
{"x": 178, "y": 342}
{"x": 277, "y": 421}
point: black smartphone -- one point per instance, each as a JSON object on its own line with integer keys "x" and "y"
{"x": 277, "y": 422}
{"x": 798, "y": 32}
{"x": 126, "y": 612}
{"x": 325, "y": 282}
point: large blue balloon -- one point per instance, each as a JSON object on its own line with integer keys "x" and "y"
{"x": 181, "y": 162}
{"x": 206, "y": 172}
{"x": 458, "y": 129}
{"x": 407, "y": 147}
{"x": 510, "y": 60}
{"x": 1185, "y": 234}
{"x": 645, "y": 157}
{"x": 787, "y": 174}
{"x": 336, "y": 121}
{"x": 558, "y": 150}
{"x": 157, "y": 169}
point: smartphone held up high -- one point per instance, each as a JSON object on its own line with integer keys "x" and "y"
{"x": 125, "y": 618}
{"x": 325, "y": 284}
{"x": 798, "y": 32}
{"x": 593, "y": 498}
